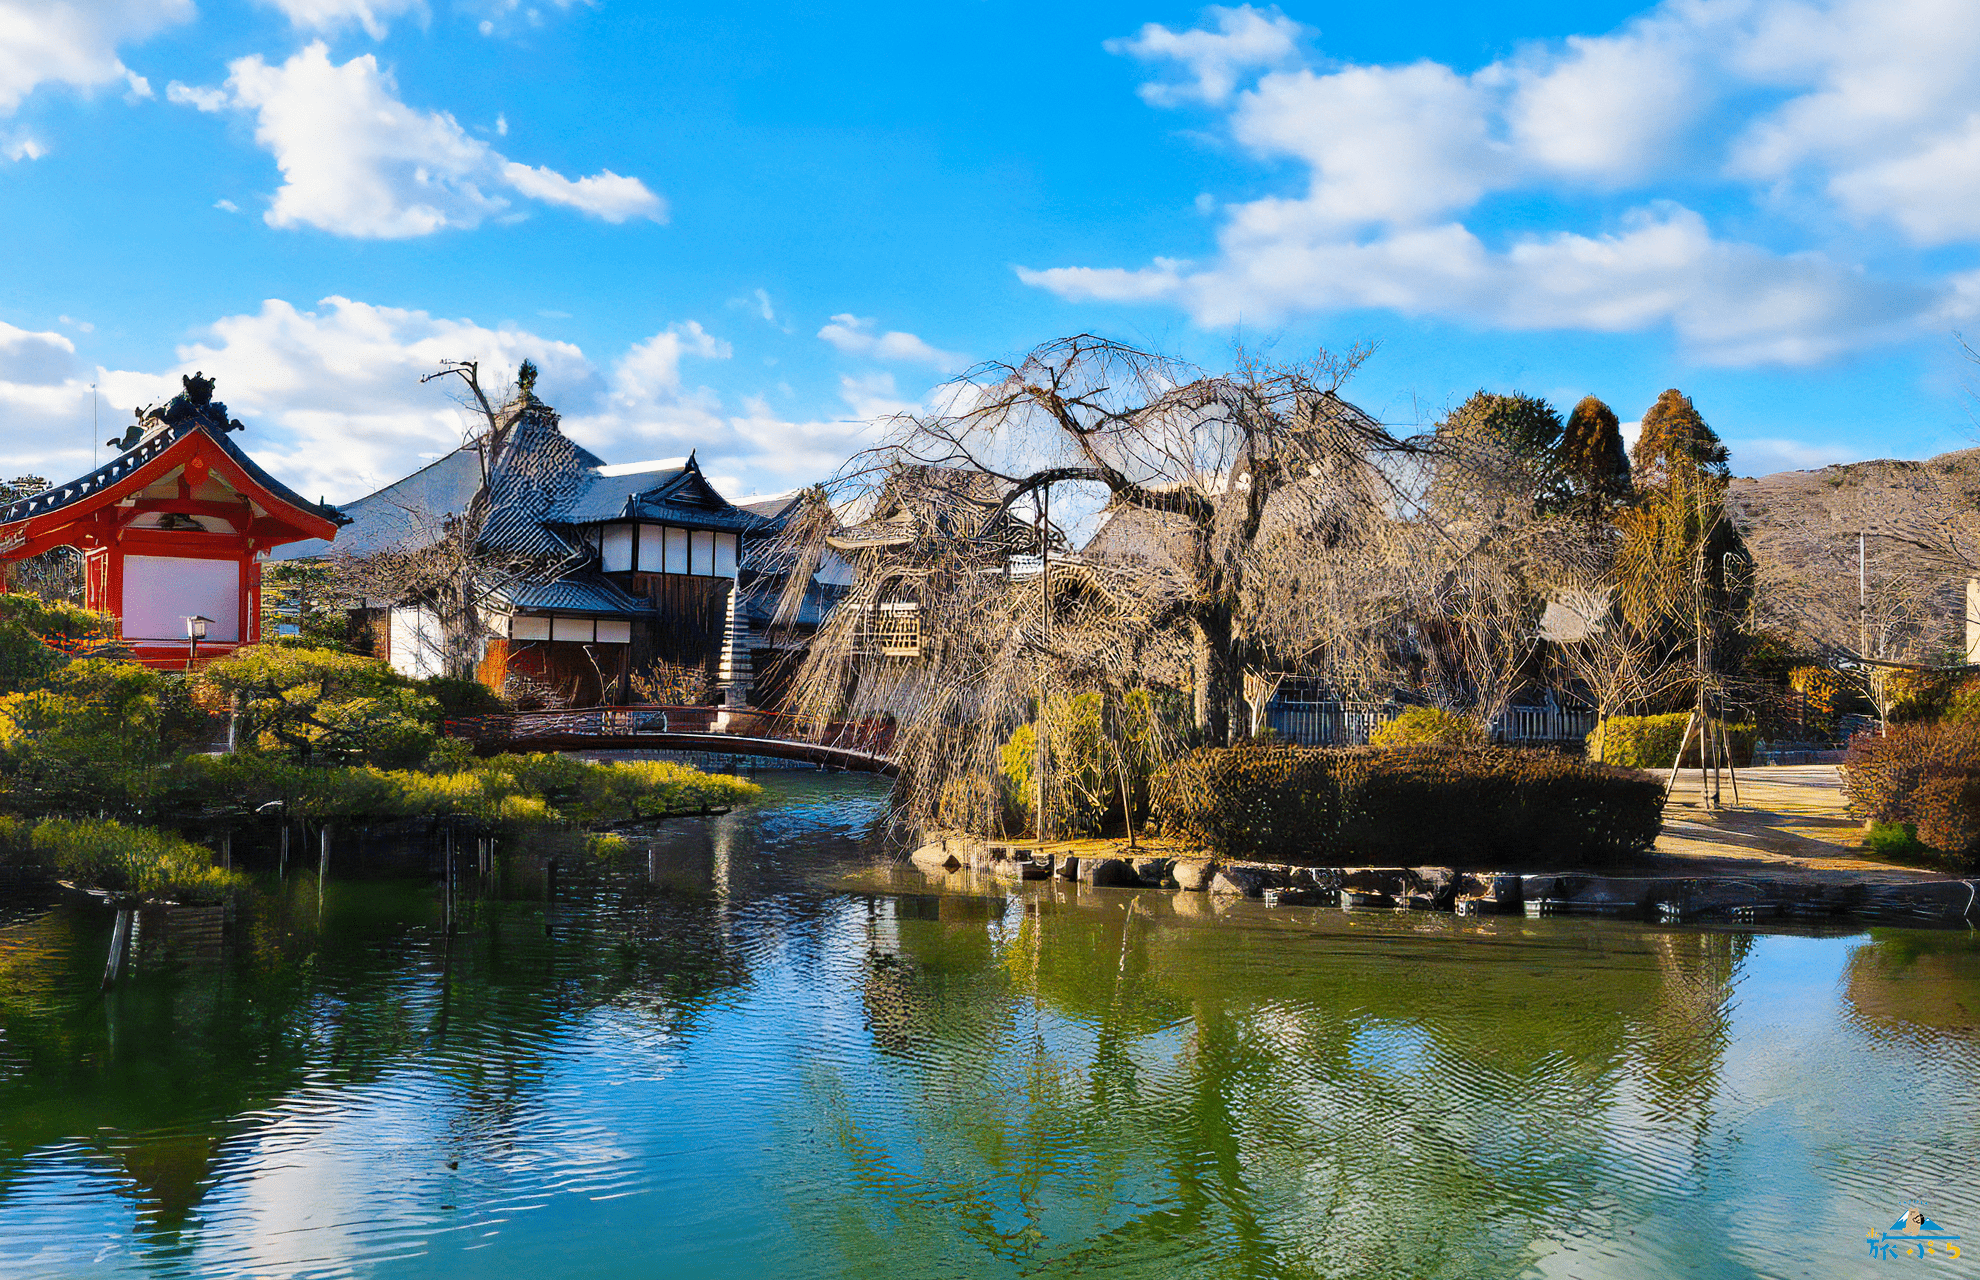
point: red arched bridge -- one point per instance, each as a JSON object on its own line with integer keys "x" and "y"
{"x": 860, "y": 745}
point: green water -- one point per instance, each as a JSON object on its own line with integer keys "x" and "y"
{"x": 726, "y": 1059}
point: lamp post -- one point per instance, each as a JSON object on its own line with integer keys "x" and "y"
{"x": 195, "y": 632}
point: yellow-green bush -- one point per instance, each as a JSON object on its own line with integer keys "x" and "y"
{"x": 1430, "y": 727}
{"x": 134, "y": 860}
{"x": 1090, "y": 744}
{"x": 1328, "y": 806}
{"x": 321, "y": 704}
{"x": 512, "y": 792}
{"x": 1651, "y": 742}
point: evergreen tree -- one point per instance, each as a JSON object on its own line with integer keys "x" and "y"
{"x": 1593, "y": 460}
{"x": 1675, "y": 437}
{"x": 1494, "y": 440}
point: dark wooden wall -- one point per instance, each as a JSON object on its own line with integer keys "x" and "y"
{"x": 693, "y": 615}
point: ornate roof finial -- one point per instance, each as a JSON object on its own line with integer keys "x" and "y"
{"x": 526, "y": 380}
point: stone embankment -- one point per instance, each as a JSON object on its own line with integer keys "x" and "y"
{"x": 1673, "y": 899}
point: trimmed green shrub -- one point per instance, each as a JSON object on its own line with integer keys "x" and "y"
{"x": 1251, "y": 801}
{"x": 1430, "y": 727}
{"x": 321, "y": 705}
{"x": 1925, "y": 776}
{"x": 1650, "y": 742}
{"x": 462, "y": 699}
{"x": 1331, "y": 806}
{"x": 38, "y": 637}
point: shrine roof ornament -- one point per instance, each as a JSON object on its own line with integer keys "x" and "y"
{"x": 155, "y": 431}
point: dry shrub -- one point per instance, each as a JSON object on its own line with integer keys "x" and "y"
{"x": 1924, "y": 775}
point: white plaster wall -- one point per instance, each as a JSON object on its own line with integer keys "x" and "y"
{"x": 160, "y": 592}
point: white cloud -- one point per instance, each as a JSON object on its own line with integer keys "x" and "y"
{"x": 1384, "y": 144}
{"x": 651, "y": 370}
{"x": 22, "y": 147}
{"x": 28, "y": 358}
{"x": 1764, "y": 456}
{"x": 856, "y": 336}
{"x": 76, "y": 43}
{"x": 329, "y": 16}
{"x": 1245, "y": 39}
{"x": 357, "y": 161}
{"x": 334, "y": 405}
{"x": 227, "y": 206}
{"x": 1806, "y": 109}
{"x": 604, "y": 195}
{"x": 198, "y": 97}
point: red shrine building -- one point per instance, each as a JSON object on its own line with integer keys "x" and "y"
{"x": 172, "y": 530}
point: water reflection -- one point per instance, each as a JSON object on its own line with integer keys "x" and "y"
{"x": 724, "y": 1058}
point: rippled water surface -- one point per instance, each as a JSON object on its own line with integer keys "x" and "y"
{"x": 723, "y": 1058}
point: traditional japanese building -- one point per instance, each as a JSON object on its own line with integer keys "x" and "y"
{"x": 172, "y": 531}
{"x": 614, "y": 576}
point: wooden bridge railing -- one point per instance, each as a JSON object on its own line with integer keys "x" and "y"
{"x": 870, "y": 737}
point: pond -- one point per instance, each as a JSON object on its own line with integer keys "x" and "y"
{"x": 721, "y": 1057}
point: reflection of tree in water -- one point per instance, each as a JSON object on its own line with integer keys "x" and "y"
{"x": 1111, "y": 1087}
{"x": 1681, "y": 1039}
{"x": 1917, "y": 985}
{"x": 155, "y": 1076}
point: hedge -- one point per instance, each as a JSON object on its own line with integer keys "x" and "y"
{"x": 1650, "y": 742}
{"x": 1430, "y": 727}
{"x": 1922, "y": 776}
{"x": 1329, "y": 806}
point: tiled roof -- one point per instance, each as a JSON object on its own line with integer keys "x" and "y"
{"x": 577, "y": 593}
{"x": 212, "y": 419}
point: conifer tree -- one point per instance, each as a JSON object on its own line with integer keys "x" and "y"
{"x": 1493, "y": 443}
{"x": 1676, "y": 437}
{"x": 1593, "y": 459}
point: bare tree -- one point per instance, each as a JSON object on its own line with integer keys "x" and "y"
{"x": 454, "y": 565}
{"x": 1259, "y": 504}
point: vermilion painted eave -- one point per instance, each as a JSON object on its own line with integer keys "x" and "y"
{"x": 295, "y": 525}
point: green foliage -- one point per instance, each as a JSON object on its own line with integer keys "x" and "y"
{"x": 460, "y": 699}
{"x": 450, "y": 755}
{"x": 1898, "y": 840}
{"x": 101, "y": 854}
{"x": 1675, "y": 438}
{"x": 319, "y": 704}
{"x": 1593, "y": 459}
{"x": 1430, "y": 727}
{"x": 1332, "y": 806}
{"x": 39, "y": 637}
{"x": 1926, "y": 776}
{"x": 88, "y": 741}
{"x": 514, "y": 793}
{"x": 1651, "y": 742}
{"x": 1512, "y": 436}
{"x": 1091, "y": 744}
{"x": 303, "y": 595}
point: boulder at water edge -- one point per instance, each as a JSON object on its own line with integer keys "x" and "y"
{"x": 934, "y": 858}
{"x": 1102, "y": 872}
{"x": 1193, "y": 874}
{"x": 1240, "y": 881}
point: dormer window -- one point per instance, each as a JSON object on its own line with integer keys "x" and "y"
{"x": 663, "y": 548}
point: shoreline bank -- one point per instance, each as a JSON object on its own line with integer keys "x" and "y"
{"x": 1788, "y": 851}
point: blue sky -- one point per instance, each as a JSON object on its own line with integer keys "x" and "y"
{"x": 751, "y": 229}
